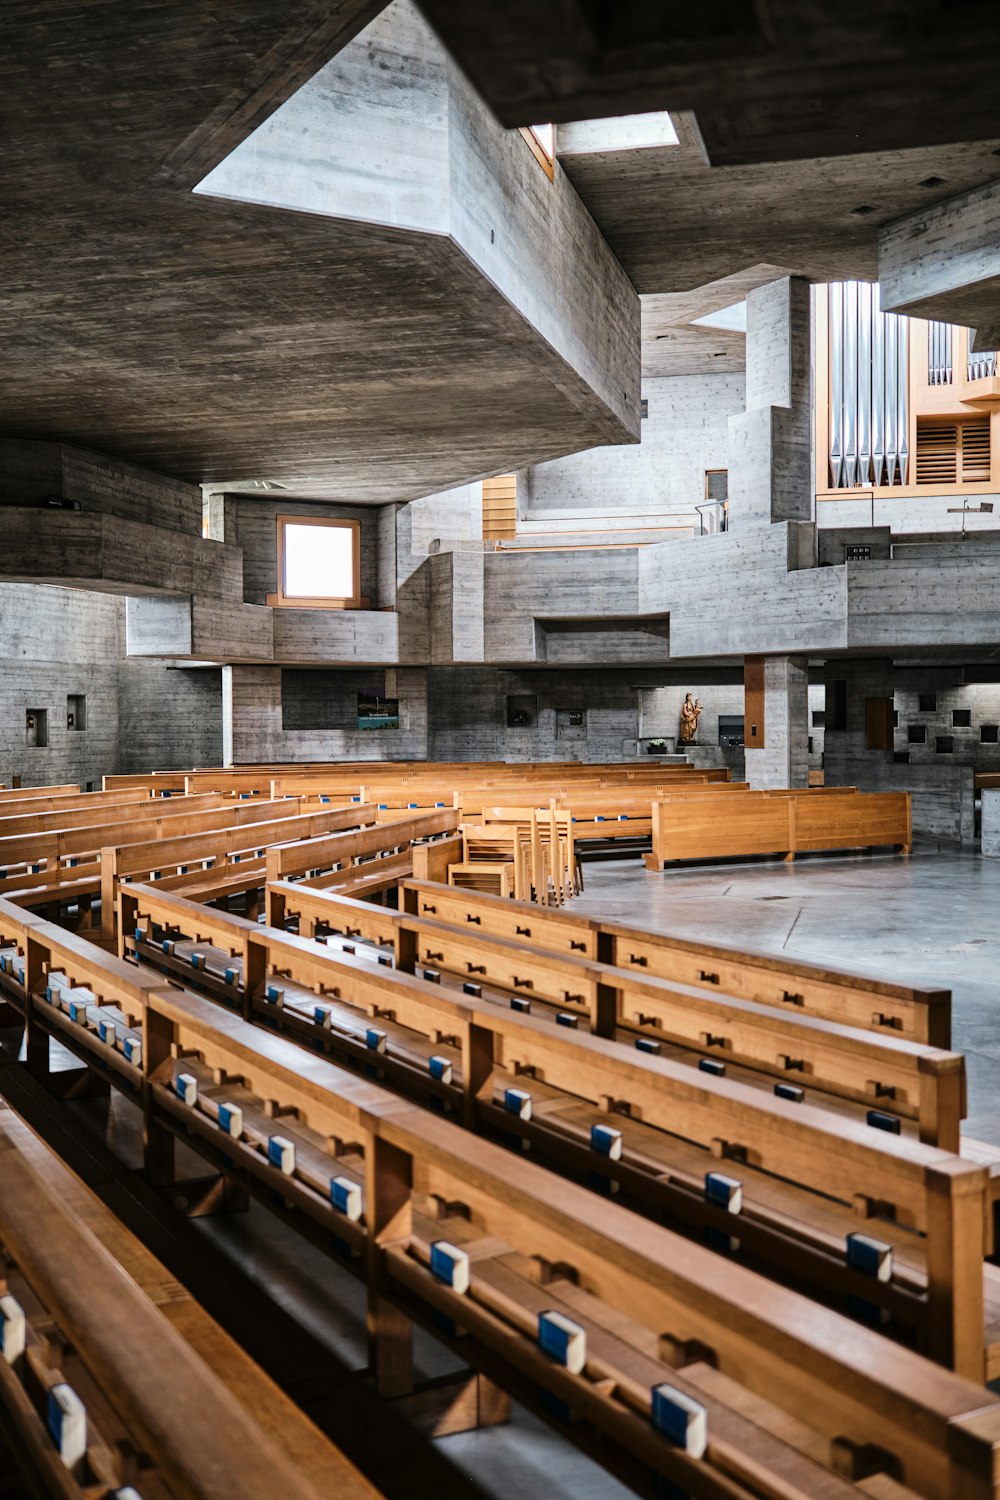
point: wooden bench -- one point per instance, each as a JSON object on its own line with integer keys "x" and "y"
{"x": 349, "y": 857}
{"x": 182, "y": 1409}
{"x": 688, "y": 827}
{"x": 870, "y": 1406}
{"x": 919, "y": 1013}
{"x": 567, "y": 1066}
{"x": 621, "y": 1273}
{"x": 223, "y": 861}
{"x": 551, "y": 960}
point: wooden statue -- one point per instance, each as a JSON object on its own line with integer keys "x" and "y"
{"x": 690, "y": 714}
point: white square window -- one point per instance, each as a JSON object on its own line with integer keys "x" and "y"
{"x": 318, "y": 561}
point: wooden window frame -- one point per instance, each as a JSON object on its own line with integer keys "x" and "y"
{"x": 281, "y": 600}
{"x": 538, "y": 151}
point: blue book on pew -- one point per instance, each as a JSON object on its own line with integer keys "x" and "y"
{"x": 562, "y": 1340}
{"x": 187, "y": 1088}
{"x": 870, "y": 1256}
{"x": 440, "y": 1069}
{"x": 281, "y": 1154}
{"x": 646, "y": 1044}
{"x": 680, "y": 1418}
{"x": 66, "y": 1419}
{"x": 713, "y": 1066}
{"x": 567, "y": 1018}
{"x": 345, "y": 1195}
{"x": 517, "y": 1102}
{"x": 724, "y": 1192}
{"x": 879, "y": 1120}
{"x": 231, "y": 1120}
{"x": 450, "y": 1265}
{"x": 375, "y": 1039}
{"x": 606, "y": 1140}
{"x": 13, "y": 1329}
{"x": 517, "y": 1002}
{"x": 789, "y": 1091}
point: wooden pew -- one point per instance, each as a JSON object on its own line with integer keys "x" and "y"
{"x": 65, "y": 864}
{"x": 175, "y": 1389}
{"x": 920, "y": 1013}
{"x": 833, "y": 1153}
{"x": 830, "y": 1061}
{"x": 224, "y": 861}
{"x": 686, "y": 827}
{"x": 930, "y": 1430}
{"x": 343, "y": 856}
{"x": 857, "y": 1390}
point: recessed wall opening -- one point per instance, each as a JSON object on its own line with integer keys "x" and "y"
{"x": 76, "y": 711}
{"x": 36, "y": 728}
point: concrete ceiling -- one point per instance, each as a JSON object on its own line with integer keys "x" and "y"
{"x": 222, "y": 342}
{"x": 774, "y": 80}
{"x": 676, "y": 223}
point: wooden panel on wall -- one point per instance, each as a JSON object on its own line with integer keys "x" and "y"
{"x": 879, "y": 723}
{"x": 753, "y": 702}
{"x": 499, "y": 508}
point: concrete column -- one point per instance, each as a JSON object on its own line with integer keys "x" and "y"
{"x": 227, "y": 716}
{"x": 784, "y": 759}
{"x": 770, "y": 472}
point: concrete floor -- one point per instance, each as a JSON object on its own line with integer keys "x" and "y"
{"x": 933, "y": 918}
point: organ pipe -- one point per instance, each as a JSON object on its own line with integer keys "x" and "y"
{"x": 869, "y": 389}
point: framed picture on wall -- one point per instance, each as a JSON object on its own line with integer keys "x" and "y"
{"x": 377, "y": 713}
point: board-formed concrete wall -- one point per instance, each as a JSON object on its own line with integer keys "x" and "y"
{"x": 61, "y": 642}
{"x": 685, "y": 432}
{"x": 943, "y": 794}
{"x": 251, "y": 525}
{"x": 468, "y": 711}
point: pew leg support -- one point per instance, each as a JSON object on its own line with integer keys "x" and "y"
{"x": 10, "y": 1016}
{"x": 202, "y": 1197}
{"x": 455, "y": 1403}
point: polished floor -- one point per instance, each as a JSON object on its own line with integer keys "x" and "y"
{"x": 932, "y": 918}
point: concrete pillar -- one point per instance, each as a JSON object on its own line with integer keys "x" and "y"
{"x": 783, "y": 760}
{"x": 770, "y": 465}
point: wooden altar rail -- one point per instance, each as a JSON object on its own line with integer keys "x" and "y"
{"x": 181, "y": 1408}
{"x": 755, "y": 823}
{"x": 654, "y": 1305}
{"x": 222, "y": 861}
{"x": 938, "y": 1295}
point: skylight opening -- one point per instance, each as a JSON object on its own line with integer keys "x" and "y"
{"x": 619, "y": 133}
{"x": 733, "y": 319}
{"x": 545, "y": 135}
